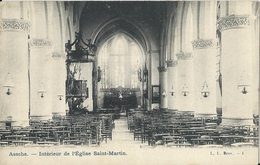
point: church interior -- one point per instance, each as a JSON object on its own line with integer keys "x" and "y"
{"x": 157, "y": 73}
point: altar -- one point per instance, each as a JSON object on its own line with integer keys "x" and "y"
{"x": 121, "y": 98}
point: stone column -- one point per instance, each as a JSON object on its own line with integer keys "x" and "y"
{"x": 236, "y": 63}
{"x": 58, "y": 80}
{"x": 204, "y": 56}
{"x": 185, "y": 82}
{"x": 95, "y": 86}
{"x": 153, "y": 76}
{"x": 163, "y": 87}
{"x": 172, "y": 84}
{"x": 14, "y": 60}
{"x": 40, "y": 79}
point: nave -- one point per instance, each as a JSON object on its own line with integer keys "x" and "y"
{"x": 185, "y": 74}
{"x": 123, "y": 142}
{"x": 122, "y": 137}
{"x": 131, "y": 129}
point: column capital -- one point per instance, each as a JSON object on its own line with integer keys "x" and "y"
{"x": 17, "y": 25}
{"x": 234, "y": 21}
{"x": 58, "y": 55}
{"x": 172, "y": 63}
{"x": 203, "y": 43}
{"x": 162, "y": 68}
{"x": 39, "y": 42}
{"x": 183, "y": 56}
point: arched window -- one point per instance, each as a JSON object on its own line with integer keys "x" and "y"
{"x": 135, "y": 64}
{"x": 119, "y": 59}
{"x": 119, "y": 45}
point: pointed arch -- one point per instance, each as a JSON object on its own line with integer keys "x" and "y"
{"x": 108, "y": 26}
{"x": 119, "y": 66}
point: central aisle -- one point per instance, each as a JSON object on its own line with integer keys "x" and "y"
{"x": 121, "y": 136}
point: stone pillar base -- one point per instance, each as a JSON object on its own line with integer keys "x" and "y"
{"x": 173, "y": 110}
{"x": 186, "y": 112}
{"x": 22, "y": 123}
{"x": 163, "y": 109}
{"x": 237, "y": 121}
{"x": 58, "y": 113}
{"x": 37, "y": 118}
{"x": 205, "y": 115}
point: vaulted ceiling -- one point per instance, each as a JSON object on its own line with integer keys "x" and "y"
{"x": 142, "y": 21}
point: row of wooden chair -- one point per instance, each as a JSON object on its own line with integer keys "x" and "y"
{"x": 67, "y": 130}
{"x": 174, "y": 128}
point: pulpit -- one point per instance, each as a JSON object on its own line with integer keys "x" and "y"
{"x": 76, "y": 93}
{"x": 77, "y": 88}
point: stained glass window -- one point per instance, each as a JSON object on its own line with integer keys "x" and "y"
{"x": 119, "y": 59}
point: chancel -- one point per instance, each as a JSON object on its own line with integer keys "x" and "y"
{"x": 172, "y": 73}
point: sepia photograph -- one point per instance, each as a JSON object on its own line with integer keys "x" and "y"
{"x": 129, "y": 82}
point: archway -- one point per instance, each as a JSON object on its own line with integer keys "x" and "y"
{"x": 109, "y": 30}
{"x": 120, "y": 61}
{"x": 140, "y": 21}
